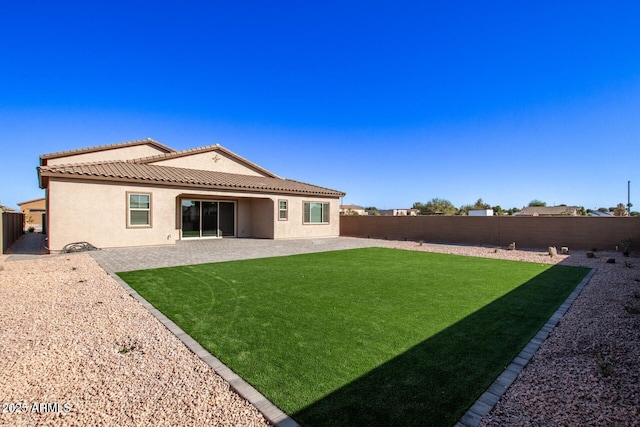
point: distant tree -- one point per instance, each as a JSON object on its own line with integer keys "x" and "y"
{"x": 582, "y": 211}
{"x": 436, "y": 206}
{"x": 620, "y": 210}
{"x": 603, "y": 210}
{"x": 537, "y": 203}
{"x": 497, "y": 210}
{"x": 480, "y": 204}
{"x": 635, "y": 213}
{"x": 513, "y": 210}
{"x": 372, "y": 210}
{"x": 464, "y": 209}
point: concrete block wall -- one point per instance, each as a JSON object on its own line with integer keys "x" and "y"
{"x": 528, "y": 232}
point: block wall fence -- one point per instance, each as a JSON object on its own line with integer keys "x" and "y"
{"x": 11, "y": 228}
{"x": 499, "y": 231}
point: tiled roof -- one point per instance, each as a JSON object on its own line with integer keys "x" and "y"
{"x": 147, "y": 141}
{"x": 205, "y": 149}
{"x": 121, "y": 171}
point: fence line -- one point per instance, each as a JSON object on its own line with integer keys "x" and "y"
{"x": 11, "y": 228}
{"x": 500, "y": 231}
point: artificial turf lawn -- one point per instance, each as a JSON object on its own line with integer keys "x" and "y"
{"x": 365, "y": 336}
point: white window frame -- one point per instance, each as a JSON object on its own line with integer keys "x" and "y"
{"x": 283, "y": 214}
{"x": 138, "y": 209}
{"x": 324, "y": 213}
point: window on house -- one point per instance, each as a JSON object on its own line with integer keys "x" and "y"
{"x": 283, "y": 211}
{"x": 316, "y": 213}
{"x": 139, "y": 210}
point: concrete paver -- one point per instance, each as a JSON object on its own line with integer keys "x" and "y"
{"x": 188, "y": 252}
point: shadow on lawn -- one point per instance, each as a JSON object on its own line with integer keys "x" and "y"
{"x": 435, "y": 382}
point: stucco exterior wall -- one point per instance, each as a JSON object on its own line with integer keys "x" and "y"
{"x": 96, "y": 212}
{"x": 212, "y": 161}
{"x": 262, "y": 218}
{"x": 33, "y": 213}
{"x": 120, "y": 153}
{"x": 294, "y": 227}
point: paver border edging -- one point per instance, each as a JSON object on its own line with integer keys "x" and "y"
{"x": 271, "y": 412}
{"x": 489, "y": 398}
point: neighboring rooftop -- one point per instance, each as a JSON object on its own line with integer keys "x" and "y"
{"x": 31, "y": 201}
{"x": 548, "y": 211}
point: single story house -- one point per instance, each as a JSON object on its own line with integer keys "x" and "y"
{"x": 144, "y": 193}
{"x": 34, "y": 212}
{"x": 399, "y": 212}
{"x": 548, "y": 211}
{"x": 353, "y": 210}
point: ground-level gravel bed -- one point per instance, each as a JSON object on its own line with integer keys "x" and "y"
{"x": 76, "y": 349}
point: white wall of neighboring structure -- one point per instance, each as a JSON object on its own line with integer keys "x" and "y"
{"x": 481, "y": 212}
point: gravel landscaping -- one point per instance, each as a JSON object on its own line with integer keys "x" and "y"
{"x": 75, "y": 341}
{"x": 72, "y": 336}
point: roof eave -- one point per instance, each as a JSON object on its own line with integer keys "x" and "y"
{"x": 45, "y": 175}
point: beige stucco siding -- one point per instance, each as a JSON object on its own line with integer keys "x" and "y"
{"x": 33, "y": 213}
{"x": 96, "y": 212}
{"x": 210, "y": 160}
{"x": 120, "y": 153}
{"x": 294, "y": 226}
{"x": 262, "y": 218}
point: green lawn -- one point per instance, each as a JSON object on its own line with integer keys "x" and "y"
{"x": 366, "y": 336}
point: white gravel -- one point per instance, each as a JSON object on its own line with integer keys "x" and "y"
{"x": 71, "y": 336}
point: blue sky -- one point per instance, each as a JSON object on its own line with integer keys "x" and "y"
{"x": 391, "y": 102}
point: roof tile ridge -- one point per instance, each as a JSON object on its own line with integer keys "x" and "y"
{"x": 173, "y": 154}
{"x": 105, "y": 147}
{"x": 312, "y": 185}
{"x": 204, "y": 149}
{"x": 97, "y": 162}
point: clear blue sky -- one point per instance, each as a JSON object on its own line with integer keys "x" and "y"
{"x": 392, "y": 102}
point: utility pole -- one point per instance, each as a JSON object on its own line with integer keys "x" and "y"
{"x": 628, "y": 198}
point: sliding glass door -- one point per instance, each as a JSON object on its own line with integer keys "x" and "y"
{"x": 209, "y": 219}
{"x": 204, "y": 218}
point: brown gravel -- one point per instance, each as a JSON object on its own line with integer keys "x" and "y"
{"x": 70, "y": 335}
